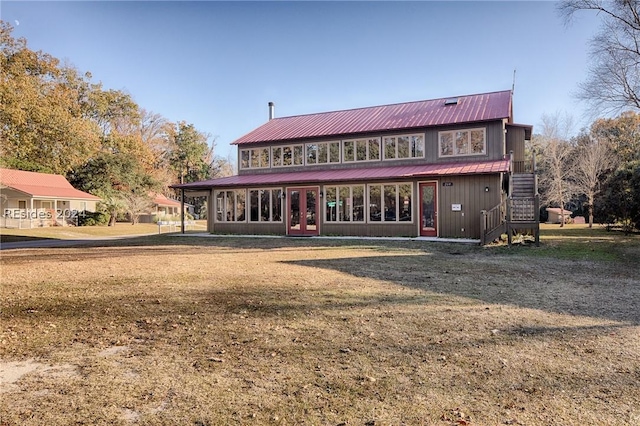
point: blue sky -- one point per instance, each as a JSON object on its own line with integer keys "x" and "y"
{"x": 218, "y": 64}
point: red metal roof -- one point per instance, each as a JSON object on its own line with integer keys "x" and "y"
{"x": 42, "y": 185}
{"x": 346, "y": 175}
{"x": 471, "y": 108}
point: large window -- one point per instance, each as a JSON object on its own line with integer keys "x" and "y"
{"x": 323, "y": 153}
{"x": 361, "y": 150}
{"x": 230, "y": 205}
{"x": 407, "y": 146}
{"x": 254, "y": 158}
{"x": 287, "y": 156}
{"x": 462, "y": 142}
{"x": 390, "y": 202}
{"x": 265, "y": 205}
{"x": 344, "y": 203}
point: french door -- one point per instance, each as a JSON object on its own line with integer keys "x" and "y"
{"x": 428, "y": 209}
{"x": 302, "y": 211}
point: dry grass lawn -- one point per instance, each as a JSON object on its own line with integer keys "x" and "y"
{"x": 216, "y": 331}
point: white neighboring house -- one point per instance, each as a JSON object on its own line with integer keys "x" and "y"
{"x": 32, "y": 200}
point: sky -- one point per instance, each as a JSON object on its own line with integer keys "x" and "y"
{"x": 216, "y": 65}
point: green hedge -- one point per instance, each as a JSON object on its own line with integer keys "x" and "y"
{"x": 87, "y": 218}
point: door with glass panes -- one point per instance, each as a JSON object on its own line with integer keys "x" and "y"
{"x": 302, "y": 211}
{"x": 428, "y": 209}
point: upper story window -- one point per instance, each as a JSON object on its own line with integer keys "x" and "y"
{"x": 254, "y": 158}
{"x": 323, "y": 153}
{"x": 367, "y": 149}
{"x": 406, "y": 146}
{"x": 287, "y": 156}
{"x": 462, "y": 142}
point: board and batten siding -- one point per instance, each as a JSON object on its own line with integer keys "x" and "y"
{"x": 515, "y": 142}
{"x": 495, "y": 142}
{"x": 401, "y": 229}
{"x": 469, "y": 192}
{"x": 250, "y": 228}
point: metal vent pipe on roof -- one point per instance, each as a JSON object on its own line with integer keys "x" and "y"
{"x": 271, "y": 110}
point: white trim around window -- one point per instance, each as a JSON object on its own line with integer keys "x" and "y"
{"x": 344, "y": 203}
{"x": 254, "y": 158}
{"x": 463, "y": 142}
{"x": 320, "y": 153}
{"x": 265, "y": 205}
{"x": 390, "y": 202}
{"x": 362, "y": 149}
{"x": 287, "y": 155}
{"x": 402, "y": 147}
{"x": 231, "y": 205}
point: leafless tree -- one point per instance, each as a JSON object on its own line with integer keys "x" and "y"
{"x": 136, "y": 205}
{"x": 592, "y": 160}
{"x": 556, "y": 173}
{"x": 613, "y": 83}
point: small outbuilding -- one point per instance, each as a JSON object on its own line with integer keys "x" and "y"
{"x": 555, "y": 215}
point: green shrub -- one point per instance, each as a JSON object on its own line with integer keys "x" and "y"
{"x": 87, "y": 218}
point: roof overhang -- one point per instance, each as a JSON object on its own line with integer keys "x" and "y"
{"x": 353, "y": 175}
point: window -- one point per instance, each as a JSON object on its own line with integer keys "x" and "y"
{"x": 312, "y": 153}
{"x": 344, "y": 203}
{"x": 399, "y": 147}
{"x": 322, "y": 153}
{"x": 361, "y": 150}
{"x": 390, "y": 202}
{"x": 230, "y": 205}
{"x": 462, "y": 142}
{"x": 287, "y": 156}
{"x": 254, "y": 158}
{"x": 265, "y": 205}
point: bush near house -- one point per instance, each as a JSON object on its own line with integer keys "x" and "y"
{"x": 87, "y": 218}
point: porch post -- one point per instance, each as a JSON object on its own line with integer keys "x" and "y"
{"x": 182, "y": 210}
{"x": 30, "y": 212}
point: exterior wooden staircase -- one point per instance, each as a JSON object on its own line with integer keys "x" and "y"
{"x": 523, "y": 206}
{"x": 520, "y": 212}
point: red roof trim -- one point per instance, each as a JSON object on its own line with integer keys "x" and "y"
{"x": 394, "y": 117}
{"x": 347, "y": 175}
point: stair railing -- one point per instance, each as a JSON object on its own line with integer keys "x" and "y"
{"x": 490, "y": 220}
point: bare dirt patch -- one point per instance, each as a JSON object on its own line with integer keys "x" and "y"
{"x": 234, "y": 331}
{"x": 12, "y": 371}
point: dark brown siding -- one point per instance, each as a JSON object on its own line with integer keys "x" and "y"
{"x": 406, "y": 229}
{"x": 470, "y": 193}
{"x": 495, "y": 142}
{"x": 515, "y": 142}
{"x": 249, "y": 228}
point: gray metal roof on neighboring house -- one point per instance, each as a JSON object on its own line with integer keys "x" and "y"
{"x": 435, "y": 112}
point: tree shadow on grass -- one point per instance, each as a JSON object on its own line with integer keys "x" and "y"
{"x": 609, "y": 291}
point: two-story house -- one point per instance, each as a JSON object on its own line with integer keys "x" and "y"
{"x": 435, "y": 168}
